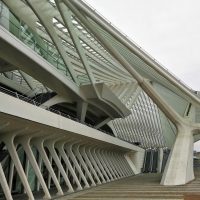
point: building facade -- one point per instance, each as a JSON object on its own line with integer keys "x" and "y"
{"x": 82, "y": 105}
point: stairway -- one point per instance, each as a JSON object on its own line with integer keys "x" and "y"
{"x": 141, "y": 187}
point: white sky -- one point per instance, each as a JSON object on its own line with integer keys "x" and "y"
{"x": 169, "y": 30}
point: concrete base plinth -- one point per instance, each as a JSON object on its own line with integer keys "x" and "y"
{"x": 179, "y": 167}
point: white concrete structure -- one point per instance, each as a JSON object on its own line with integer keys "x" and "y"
{"x": 80, "y": 103}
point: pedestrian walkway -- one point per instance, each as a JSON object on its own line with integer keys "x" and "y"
{"x": 143, "y": 186}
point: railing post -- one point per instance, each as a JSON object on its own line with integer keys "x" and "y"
{"x": 47, "y": 51}
{"x": 16, "y": 95}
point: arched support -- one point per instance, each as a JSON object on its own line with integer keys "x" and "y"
{"x": 60, "y": 147}
{"x": 96, "y": 167}
{"x": 83, "y": 153}
{"x": 39, "y": 145}
{"x": 102, "y": 123}
{"x": 107, "y": 165}
{"x": 93, "y": 152}
{"x": 25, "y": 142}
{"x": 112, "y": 157}
{"x": 74, "y": 160}
{"x": 50, "y": 145}
{"x": 79, "y": 157}
{"x": 56, "y": 100}
{"x": 111, "y": 165}
{"x": 9, "y": 141}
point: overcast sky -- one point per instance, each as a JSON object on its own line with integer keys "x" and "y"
{"x": 169, "y": 30}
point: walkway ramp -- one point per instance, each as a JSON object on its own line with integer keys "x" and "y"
{"x": 141, "y": 187}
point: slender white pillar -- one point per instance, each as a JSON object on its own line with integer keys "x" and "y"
{"x": 90, "y": 156}
{"x": 160, "y": 160}
{"x": 115, "y": 163}
{"x": 100, "y": 165}
{"x": 108, "y": 166}
{"x": 50, "y": 145}
{"x": 78, "y": 155}
{"x": 123, "y": 166}
{"x": 26, "y": 170}
{"x": 112, "y": 165}
{"x": 40, "y": 168}
{"x": 11, "y": 173}
{"x": 74, "y": 160}
{"x": 39, "y": 145}
{"x": 4, "y": 184}
{"x": 83, "y": 153}
{"x": 49, "y": 174}
{"x": 8, "y": 140}
{"x": 25, "y": 142}
{"x": 60, "y": 147}
{"x": 59, "y": 173}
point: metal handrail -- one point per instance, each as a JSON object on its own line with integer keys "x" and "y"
{"x": 35, "y": 103}
{"x": 34, "y": 45}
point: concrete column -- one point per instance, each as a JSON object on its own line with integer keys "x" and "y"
{"x": 100, "y": 165}
{"x": 125, "y": 163}
{"x": 135, "y": 160}
{"x": 108, "y": 164}
{"x": 25, "y": 142}
{"x": 115, "y": 164}
{"x": 40, "y": 168}
{"x": 93, "y": 161}
{"x": 111, "y": 164}
{"x": 122, "y": 164}
{"x": 118, "y": 163}
{"x": 26, "y": 170}
{"x": 50, "y": 145}
{"x": 83, "y": 153}
{"x": 26, "y": 146}
{"x": 60, "y": 147}
{"x": 8, "y": 140}
{"x": 4, "y": 184}
{"x": 78, "y": 155}
{"x": 131, "y": 164}
{"x": 49, "y": 174}
{"x": 179, "y": 167}
{"x": 74, "y": 160}
{"x": 81, "y": 110}
{"x": 160, "y": 159}
{"x": 59, "y": 173}
{"x": 11, "y": 173}
{"x": 39, "y": 145}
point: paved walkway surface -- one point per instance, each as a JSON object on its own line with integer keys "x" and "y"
{"x": 140, "y": 187}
